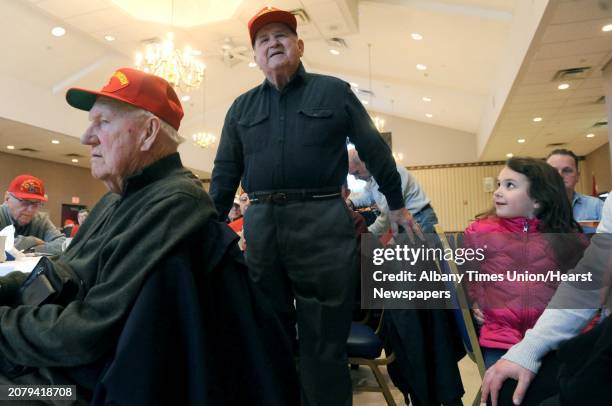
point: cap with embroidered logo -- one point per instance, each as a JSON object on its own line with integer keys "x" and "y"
{"x": 268, "y": 15}
{"x": 137, "y": 88}
{"x": 28, "y": 187}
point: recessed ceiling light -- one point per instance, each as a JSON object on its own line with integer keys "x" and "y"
{"x": 365, "y": 102}
{"x": 109, "y": 38}
{"x": 416, "y": 36}
{"x": 58, "y": 31}
{"x": 185, "y": 98}
{"x": 426, "y": 99}
{"x": 429, "y": 115}
{"x": 334, "y": 52}
{"x": 510, "y": 155}
{"x": 75, "y": 160}
{"x": 521, "y": 140}
{"x": 420, "y": 66}
{"x": 537, "y": 119}
{"x": 353, "y": 84}
{"x": 563, "y": 86}
{"x": 54, "y": 141}
{"x": 590, "y": 135}
{"x": 10, "y": 147}
{"x": 252, "y": 64}
{"x": 606, "y": 28}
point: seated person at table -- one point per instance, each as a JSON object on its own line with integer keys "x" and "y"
{"x": 33, "y": 229}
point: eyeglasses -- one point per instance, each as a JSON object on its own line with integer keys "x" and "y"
{"x": 28, "y": 203}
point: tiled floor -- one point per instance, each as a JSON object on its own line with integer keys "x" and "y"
{"x": 469, "y": 376}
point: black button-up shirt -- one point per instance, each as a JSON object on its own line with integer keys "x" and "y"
{"x": 295, "y": 138}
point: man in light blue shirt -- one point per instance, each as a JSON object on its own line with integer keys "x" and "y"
{"x": 415, "y": 199}
{"x": 584, "y": 207}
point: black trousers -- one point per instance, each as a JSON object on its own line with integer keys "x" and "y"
{"x": 305, "y": 251}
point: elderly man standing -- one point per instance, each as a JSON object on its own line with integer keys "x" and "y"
{"x": 33, "y": 230}
{"x": 583, "y": 207}
{"x": 286, "y": 140}
{"x": 145, "y": 228}
{"x": 415, "y": 199}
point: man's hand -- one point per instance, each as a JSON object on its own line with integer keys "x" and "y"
{"x": 478, "y": 314}
{"x": 402, "y": 217}
{"x": 496, "y": 375}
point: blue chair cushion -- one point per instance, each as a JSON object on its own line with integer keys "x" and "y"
{"x": 363, "y": 342}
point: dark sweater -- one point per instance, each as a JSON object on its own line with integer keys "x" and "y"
{"x": 125, "y": 237}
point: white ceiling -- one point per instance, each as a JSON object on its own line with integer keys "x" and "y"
{"x": 466, "y": 47}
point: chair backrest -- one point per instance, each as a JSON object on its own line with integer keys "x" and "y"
{"x": 462, "y": 313}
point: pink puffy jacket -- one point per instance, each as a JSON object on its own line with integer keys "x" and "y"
{"x": 510, "y": 308}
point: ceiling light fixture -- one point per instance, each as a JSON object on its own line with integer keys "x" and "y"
{"x": 563, "y": 86}
{"x": 420, "y": 66}
{"x": 353, "y": 84}
{"x": 521, "y": 140}
{"x": 252, "y": 64}
{"x": 607, "y": 28}
{"x": 109, "y": 38}
{"x": 398, "y": 156}
{"x": 426, "y": 99}
{"x": 10, "y": 147}
{"x": 428, "y": 115}
{"x": 510, "y": 155}
{"x": 58, "y": 31}
{"x": 179, "y": 68}
{"x": 537, "y": 119}
{"x": 55, "y": 142}
{"x": 185, "y": 98}
{"x": 365, "y": 102}
{"x": 334, "y": 52}
{"x": 75, "y": 160}
{"x": 203, "y": 139}
{"x": 416, "y": 36}
{"x": 590, "y": 135}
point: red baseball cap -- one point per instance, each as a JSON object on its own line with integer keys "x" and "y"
{"x": 28, "y": 187}
{"x": 137, "y": 88}
{"x": 269, "y": 15}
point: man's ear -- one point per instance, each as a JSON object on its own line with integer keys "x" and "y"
{"x": 150, "y": 132}
{"x": 300, "y": 45}
{"x": 536, "y": 205}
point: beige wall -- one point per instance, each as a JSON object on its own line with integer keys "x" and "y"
{"x": 61, "y": 182}
{"x": 598, "y": 164}
{"x": 427, "y": 144}
{"x": 457, "y": 193}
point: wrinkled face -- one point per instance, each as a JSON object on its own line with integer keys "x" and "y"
{"x": 113, "y": 135}
{"x": 22, "y": 210}
{"x": 512, "y": 195}
{"x": 244, "y": 202}
{"x": 566, "y": 166}
{"x": 359, "y": 170}
{"x": 277, "y": 49}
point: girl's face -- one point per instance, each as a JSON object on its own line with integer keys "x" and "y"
{"x": 512, "y": 196}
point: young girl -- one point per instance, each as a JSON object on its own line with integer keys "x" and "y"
{"x": 530, "y": 205}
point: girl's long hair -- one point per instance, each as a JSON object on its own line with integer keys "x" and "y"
{"x": 555, "y": 211}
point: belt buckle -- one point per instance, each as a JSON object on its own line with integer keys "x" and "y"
{"x": 278, "y": 197}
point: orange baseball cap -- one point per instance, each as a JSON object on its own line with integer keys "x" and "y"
{"x": 28, "y": 187}
{"x": 137, "y": 88}
{"x": 269, "y": 15}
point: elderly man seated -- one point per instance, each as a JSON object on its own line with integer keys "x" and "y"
{"x": 33, "y": 229}
{"x": 152, "y": 224}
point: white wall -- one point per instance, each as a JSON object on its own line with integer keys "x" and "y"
{"x": 426, "y": 144}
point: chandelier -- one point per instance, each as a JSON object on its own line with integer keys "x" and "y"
{"x": 179, "y": 68}
{"x": 203, "y": 139}
{"x": 398, "y": 156}
{"x": 379, "y": 123}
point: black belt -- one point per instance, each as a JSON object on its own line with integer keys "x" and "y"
{"x": 293, "y": 195}
{"x": 427, "y": 206}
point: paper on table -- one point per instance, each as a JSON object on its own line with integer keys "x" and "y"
{"x": 23, "y": 265}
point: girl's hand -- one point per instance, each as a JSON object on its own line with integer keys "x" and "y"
{"x": 478, "y": 315}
